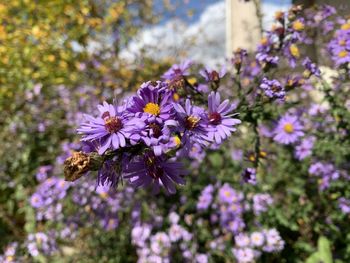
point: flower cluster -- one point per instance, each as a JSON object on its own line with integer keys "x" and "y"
{"x": 46, "y": 198}
{"x": 41, "y": 243}
{"x": 228, "y": 208}
{"x": 327, "y": 173}
{"x": 339, "y": 47}
{"x": 156, "y": 247}
{"x": 293, "y": 114}
{"x": 9, "y": 255}
{"x": 143, "y": 139}
{"x": 344, "y": 205}
{"x": 249, "y": 247}
{"x": 272, "y": 88}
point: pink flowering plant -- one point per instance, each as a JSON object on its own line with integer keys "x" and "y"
{"x": 243, "y": 163}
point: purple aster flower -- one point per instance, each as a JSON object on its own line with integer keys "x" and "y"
{"x": 228, "y": 195}
{"x": 152, "y": 103}
{"x": 274, "y": 241}
{"x": 250, "y": 71}
{"x": 36, "y": 200}
{"x": 192, "y": 124}
{"x": 317, "y": 109}
{"x": 320, "y": 169}
{"x": 111, "y": 129}
{"x": 257, "y": 239}
{"x": 261, "y": 202}
{"x": 237, "y": 155}
{"x": 272, "y": 88}
{"x": 140, "y": 233}
{"x": 265, "y": 56}
{"x": 297, "y": 29}
{"x": 242, "y": 240}
{"x": 327, "y": 172}
{"x": 42, "y": 173}
{"x": 249, "y": 176}
{"x": 203, "y": 88}
{"x": 157, "y": 135}
{"x": 236, "y": 224}
{"x": 160, "y": 242}
{"x": 197, "y": 153}
{"x": 109, "y": 173}
{"x": 178, "y": 70}
{"x": 32, "y": 249}
{"x": 109, "y": 223}
{"x": 156, "y": 171}
{"x": 327, "y": 27}
{"x": 339, "y": 46}
{"x": 327, "y": 11}
{"x": 206, "y": 198}
{"x": 174, "y": 218}
{"x": 288, "y": 130}
{"x": 201, "y": 258}
{"x": 292, "y": 53}
{"x": 176, "y": 232}
{"x": 266, "y": 131}
{"x": 310, "y": 68}
{"x": 221, "y": 124}
{"x": 244, "y": 255}
{"x": 265, "y": 59}
{"x": 266, "y": 43}
{"x": 305, "y": 148}
{"x": 344, "y": 205}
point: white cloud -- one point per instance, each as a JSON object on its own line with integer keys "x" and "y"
{"x": 202, "y": 41}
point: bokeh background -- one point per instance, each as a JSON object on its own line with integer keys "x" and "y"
{"x": 58, "y": 60}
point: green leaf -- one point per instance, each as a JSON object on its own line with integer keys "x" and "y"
{"x": 324, "y": 249}
{"x": 314, "y": 258}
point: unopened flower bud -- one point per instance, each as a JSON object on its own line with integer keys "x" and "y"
{"x": 77, "y": 165}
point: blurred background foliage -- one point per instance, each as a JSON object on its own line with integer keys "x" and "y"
{"x": 48, "y": 48}
{"x": 55, "y": 57}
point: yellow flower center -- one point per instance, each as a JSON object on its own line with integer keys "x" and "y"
{"x": 345, "y": 26}
{"x": 342, "y": 54}
{"x": 278, "y": 15}
{"x": 251, "y": 158}
{"x": 306, "y": 73}
{"x": 152, "y": 108}
{"x": 227, "y": 193}
{"x": 191, "y": 122}
{"x": 192, "y": 81}
{"x": 263, "y": 154}
{"x": 176, "y": 97}
{"x": 264, "y": 41}
{"x": 256, "y": 238}
{"x": 298, "y": 25}
{"x": 234, "y": 207}
{"x": 288, "y": 127}
{"x": 342, "y": 42}
{"x": 111, "y": 222}
{"x": 104, "y": 195}
{"x": 294, "y": 50}
{"x": 177, "y": 140}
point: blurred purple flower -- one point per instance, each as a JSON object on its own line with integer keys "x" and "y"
{"x": 221, "y": 123}
{"x": 288, "y": 130}
{"x": 156, "y": 171}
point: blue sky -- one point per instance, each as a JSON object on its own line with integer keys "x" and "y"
{"x": 198, "y": 6}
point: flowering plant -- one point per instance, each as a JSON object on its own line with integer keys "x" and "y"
{"x": 244, "y": 163}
